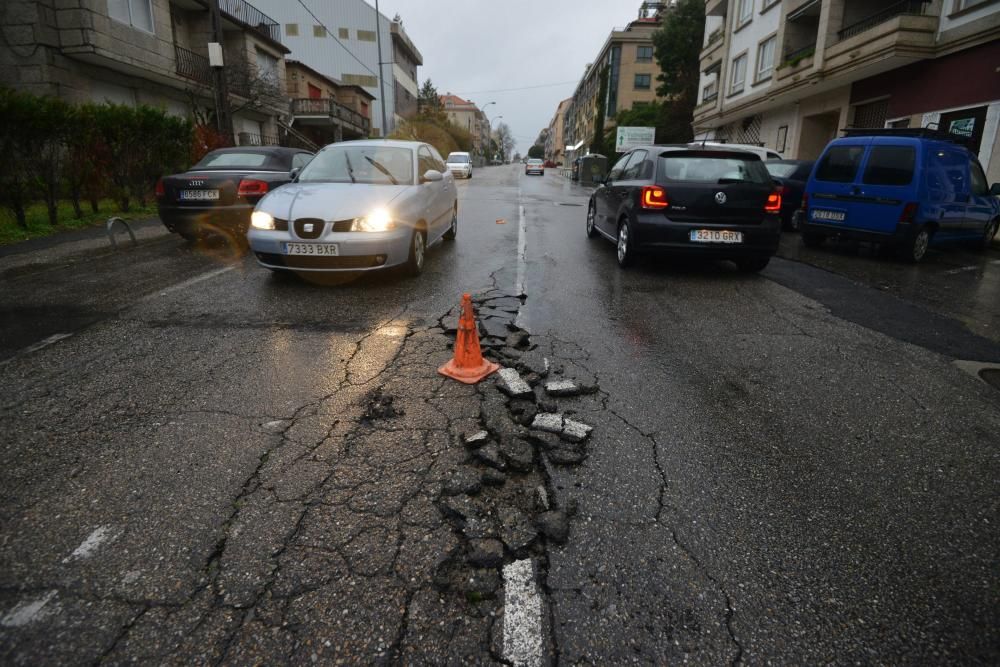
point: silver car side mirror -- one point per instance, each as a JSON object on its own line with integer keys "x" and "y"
{"x": 432, "y": 175}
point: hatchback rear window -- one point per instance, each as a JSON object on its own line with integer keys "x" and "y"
{"x": 890, "y": 165}
{"x": 219, "y": 160}
{"x": 840, "y": 164}
{"x": 699, "y": 168}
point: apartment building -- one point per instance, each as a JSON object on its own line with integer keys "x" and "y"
{"x": 151, "y": 52}
{"x": 789, "y": 75}
{"x": 469, "y": 117}
{"x": 627, "y": 58}
{"x": 340, "y": 39}
{"x": 326, "y": 110}
{"x": 555, "y": 142}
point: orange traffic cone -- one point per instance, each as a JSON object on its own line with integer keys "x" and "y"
{"x": 468, "y": 365}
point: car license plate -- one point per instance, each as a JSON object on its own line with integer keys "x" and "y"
{"x": 318, "y": 249}
{"x": 199, "y": 195}
{"x": 832, "y": 216}
{"x": 716, "y": 236}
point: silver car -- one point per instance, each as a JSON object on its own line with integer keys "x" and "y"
{"x": 358, "y": 206}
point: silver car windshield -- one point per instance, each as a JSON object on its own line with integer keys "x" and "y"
{"x": 374, "y": 165}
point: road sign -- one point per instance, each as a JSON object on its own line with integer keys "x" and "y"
{"x": 630, "y": 137}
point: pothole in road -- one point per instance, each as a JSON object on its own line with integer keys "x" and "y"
{"x": 991, "y": 376}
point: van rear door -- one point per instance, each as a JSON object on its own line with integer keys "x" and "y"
{"x": 888, "y": 190}
{"x": 832, "y": 185}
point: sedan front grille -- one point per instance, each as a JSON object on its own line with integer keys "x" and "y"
{"x": 309, "y": 228}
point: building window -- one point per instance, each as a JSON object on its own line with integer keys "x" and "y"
{"x": 344, "y": 33}
{"x": 366, "y": 35}
{"x": 267, "y": 67}
{"x": 768, "y": 4}
{"x": 745, "y": 13}
{"x": 319, "y": 31}
{"x": 738, "y": 74}
{"x": 291, "y": 29}
{"x": 710, "y": 91}
{"x": 765, "y": 58}
{"x": 965, "y": 4}
{"x": 644, "y": 54}
{"x": 136, "y": 13}
{"x": 642, "y": 81}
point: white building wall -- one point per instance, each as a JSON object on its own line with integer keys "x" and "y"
{"x": 332, "y": 55}
{"x": 746, "y": 40}
{"x": 977, "y": 14}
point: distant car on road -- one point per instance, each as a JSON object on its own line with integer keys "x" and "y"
{"x": 460, "y": 164}
{"x": 792, "y": 175}
{"x": 534, "y": 166}
{"x": 358, "y": 206}
{"x": 698, "y": 201}
{"x": 903, "y": 188}
{"x": 217, "y": 195}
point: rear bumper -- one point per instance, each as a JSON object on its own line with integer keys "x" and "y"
{"x": 195, "y": 219}
{"x": 657, "y": 233}
{"x": 540, "y": 172}
{"x": 900, "y": 234}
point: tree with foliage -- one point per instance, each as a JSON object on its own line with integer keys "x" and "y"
{"x": 597, "y": 144}
{"x": 428, "y": 99}
{"x": 677, "y": 45}
{"x": 537, "y": 151}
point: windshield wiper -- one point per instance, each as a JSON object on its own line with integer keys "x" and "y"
{"x": 350, "y": 169}
{"x": 381, "y": 167}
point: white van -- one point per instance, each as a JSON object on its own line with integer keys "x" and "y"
{"x": 460, "y": 165}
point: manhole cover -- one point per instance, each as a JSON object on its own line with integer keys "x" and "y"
{"x": 992, "y": 376}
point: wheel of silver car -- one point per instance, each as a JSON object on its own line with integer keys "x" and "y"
{"x": 418, "y": 251}
{"x": 453, "y": 230}
{"x": 916, "y": 247}
{"x": 591, "y": 220}
{"x": 624, "y": 245}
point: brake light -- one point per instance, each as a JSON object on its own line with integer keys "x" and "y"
{"x": 805, "y": 202}
{"x": 161, "y": 190}
{"x": 251, "y": 187}
{"x": 653, "y": 196}
{"x": 773, "y": 204}
{"x": 909, "y": 213}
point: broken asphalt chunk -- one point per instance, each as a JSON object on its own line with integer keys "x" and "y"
{"x": 548, "y": 421}
{"x": 490, "y": 455}
{"x": 464, "y": 480}
{"x": 575, "y": 431}
{"x": 565, "y": 455}
{"x": 554, "y": 525}
{"x": 477, "y": 439}
{"x": 519, "y": 339}
{"x": 492, "y": 477}
{"x": 512, "y": 384}
{"x": 562, "y": 388}
{"x": 516, "y": 529}
{"x": 485, "y": 553}
{"x": 518, "y": 454}
{"x": 545, "y": 440}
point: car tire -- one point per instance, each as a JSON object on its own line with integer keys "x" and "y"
{"x": 453, "y": 230}
{"x": 989, "y": 234}
{"x": 591, "y": 221}
{"x": 752, "y": 264}
{"x": 624, "y": 245}
{"x": 812, "y": 239}
{"x": 418, "y": 253}
{"x": 914, "y": 249}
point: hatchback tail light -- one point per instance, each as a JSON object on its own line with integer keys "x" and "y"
{"x": 773, "y": 204}
{"x": 805, "y": 202}
{"x": 161, "y": 190}
{"x": 251, "y": 187}
{"x": 909, "y": 213}
{"x": 653, "y": 196}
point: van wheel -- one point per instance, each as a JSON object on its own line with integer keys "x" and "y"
{"x": 989, "y": 234}
{"x": 915, "y": 248}
{"x": 812, "y": 239}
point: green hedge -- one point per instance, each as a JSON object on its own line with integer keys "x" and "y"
{"x": 54, "y": 150}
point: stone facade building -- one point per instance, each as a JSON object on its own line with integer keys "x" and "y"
{"x": 469, "y": 117}
{"x": 555, "y": 142}
{"x": 326, "y": 110}
{"x": 151, "y": 52}
{"x": 789, "y": 75}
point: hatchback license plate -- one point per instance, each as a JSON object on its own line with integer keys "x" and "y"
{"x": 832, "y": 216}
{"x": 199, "y": 195}
{"x": 317, "y": 249}
{"x": 716, "y": 236}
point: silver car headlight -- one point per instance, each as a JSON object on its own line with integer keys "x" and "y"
{"x": 379, "y": 220}
{"x": 262, "y": 220}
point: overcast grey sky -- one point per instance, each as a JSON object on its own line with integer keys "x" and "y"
{"x": 473, "y": 46}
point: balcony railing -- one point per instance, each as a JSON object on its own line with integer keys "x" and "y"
{"x": 252, "y": 139}
{"x": 192, "y": 66}
{"x": 795, "y": 56}
{"x": 715, "y": 35}
{"x": 907, "y": 7}
{"x": 253, "y": 17}
{"x": 309, "y": 106}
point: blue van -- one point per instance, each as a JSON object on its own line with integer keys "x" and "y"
{"x": 904, "y": 188}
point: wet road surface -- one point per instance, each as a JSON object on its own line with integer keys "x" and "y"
{"x": 208, "y": 463}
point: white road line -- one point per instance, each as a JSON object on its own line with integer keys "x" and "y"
{"x": 189, "y": 282}
{"x": 27, "y": 611}
{"x": 520, "y": 248}
{"x": 89, "y": 545}
{"x": 45, "y": 342}
{"x": 522, "y": 615}
{"x": 971, "y": 267}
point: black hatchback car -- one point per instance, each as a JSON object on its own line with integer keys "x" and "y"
{"x": 707, "y": 202}
{"x": 217, "y": 195}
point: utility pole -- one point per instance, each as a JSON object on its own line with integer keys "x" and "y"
{"x": 381, "y": 78}
{"x": 223, "y": 117}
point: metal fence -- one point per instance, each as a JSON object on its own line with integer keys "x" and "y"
{"x": 907, "y": 7}
{"x": 308, "y": 106}
{"x": 253, "y": 17}
{"x": 192, "y": 66}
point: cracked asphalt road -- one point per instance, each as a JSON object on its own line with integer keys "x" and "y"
{"x": 216, "y": 466}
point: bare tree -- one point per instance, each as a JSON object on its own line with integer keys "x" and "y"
{"x": 505, "y": 140}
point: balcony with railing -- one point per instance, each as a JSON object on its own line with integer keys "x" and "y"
{"x": 882, "y": 15}
{"x": 326, "y": 110}
{"x": 249, "y": 15}
{"x": 881, "y": 35}
{"x": 192, "y": 66}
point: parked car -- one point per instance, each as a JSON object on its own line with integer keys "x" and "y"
{"x": 217, "y": 195}
{"x": 534, "y": 166}
{"x": 902, "y": 188}
{"x": 549, "y": 164}
{"x": 759, "y": 151}
{"x": 792, "y": 176}
{"x": 699, "y": 201}
{"x": 358, "y": 206}
{"x": 459, "y": 164}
